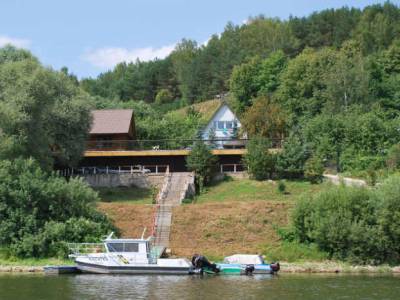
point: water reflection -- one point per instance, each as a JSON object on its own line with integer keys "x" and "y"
{"x": 195, "y": 287}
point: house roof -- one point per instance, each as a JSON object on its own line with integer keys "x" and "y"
{"x": 111, "y": 121}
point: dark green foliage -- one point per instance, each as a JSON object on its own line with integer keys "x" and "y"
{"x": 393, "y": 157}
{"x": 357, "y": 224}
{"x": 39, "y": 212}
{"x": 259, "y": 160}
{"x": 203, "y": 163}
{"x": 290, "y": 162}
{"x": 42, "y": 112}
{"x": 281, "y": 187}
{"x": 201, "y": 72}
{"x": 314, "y": 169}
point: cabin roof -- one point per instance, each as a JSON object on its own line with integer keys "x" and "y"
{"x": 111, "y": 121}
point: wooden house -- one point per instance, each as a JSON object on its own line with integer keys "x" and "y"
{"x": 112, "y": 129}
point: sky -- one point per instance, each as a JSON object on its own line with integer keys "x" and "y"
{"x": 92, "y": 36}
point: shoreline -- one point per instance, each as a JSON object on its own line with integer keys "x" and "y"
{"x": 286, "y": 268}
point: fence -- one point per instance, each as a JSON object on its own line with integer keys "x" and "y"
{"x": 170, "y": 144}
{"x": 232, "y": 168}
{"x": 137, "y": 169}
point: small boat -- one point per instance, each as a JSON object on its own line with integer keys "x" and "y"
{"x": 247, "y": 264}
{"x": 126, "y": 256}
{"x": 238, "y": 264}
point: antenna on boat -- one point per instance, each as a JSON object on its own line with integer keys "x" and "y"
{"x": 110, "y": 236}
{"x": 144, "y": 231}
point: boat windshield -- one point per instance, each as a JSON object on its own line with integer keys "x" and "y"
{"x": 123, "y": 247}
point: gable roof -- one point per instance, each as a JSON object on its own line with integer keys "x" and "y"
{"x": 222, "y": 103}
{"x": 111, "y": 121}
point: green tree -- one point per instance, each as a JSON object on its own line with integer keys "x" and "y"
{"x": 290, "y": 162}
{"x": 202, "y": 162}
{"x": 243, "y": 82}
{"x": 265, "y": 118}
{"x": 347, "y": 80}
{"x": 258, "y": 159}
{"x": 42, "y": 113}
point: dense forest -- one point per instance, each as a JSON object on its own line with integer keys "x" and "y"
{"x": 329, "y": 82}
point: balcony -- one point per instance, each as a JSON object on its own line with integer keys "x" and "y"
{"x": 166, "y": 147}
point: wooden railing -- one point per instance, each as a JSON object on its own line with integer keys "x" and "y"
{"x": 232, "y": 168}
{"x": 131, "y": 169}
{"x": 170, "y": 144}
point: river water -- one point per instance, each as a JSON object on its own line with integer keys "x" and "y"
{"x": 284, "y": 286}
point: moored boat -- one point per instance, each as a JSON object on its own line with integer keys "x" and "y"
{"x": 238, "y": 264}
{"x": 126, "y": 256}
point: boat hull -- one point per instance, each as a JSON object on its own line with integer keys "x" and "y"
{"x": 134, "y": 270}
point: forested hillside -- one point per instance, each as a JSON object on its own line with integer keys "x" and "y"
{"x": 329, "y": 83}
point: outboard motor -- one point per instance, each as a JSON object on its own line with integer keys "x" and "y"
{"x": 275, "y": 267}
{"x": 201, "y": 262}
{"x": 249, "y": 270}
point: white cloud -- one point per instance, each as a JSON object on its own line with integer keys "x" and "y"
{"x": 21, "y": 43}
{"x": 109, "y": 57}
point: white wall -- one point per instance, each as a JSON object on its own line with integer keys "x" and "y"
{"x": 224, "y": 113}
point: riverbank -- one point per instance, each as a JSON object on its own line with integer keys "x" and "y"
{"x": 301, "y": 267}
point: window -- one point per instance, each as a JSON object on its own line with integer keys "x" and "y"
{"x": 115, "y": 247}
{"x": 220, "y": 125}
{"x": 131, "y": 247}
{"x": 123, "y": 247}
{"x": 229, "y": 125}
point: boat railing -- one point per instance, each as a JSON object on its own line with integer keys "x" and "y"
{"x": 79, "y": 249}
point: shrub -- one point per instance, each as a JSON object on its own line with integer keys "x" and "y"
{"x": 281, "y": 187}
{"x": 314, "y": 169}
{"x": 393, "y": 157}
{"x": 356, "y": 224}
{"x": 163, "y": 96}
{"x": 290, "y": 162}
{"x": 40, "y": 212}
{"x": 258, "y": 159}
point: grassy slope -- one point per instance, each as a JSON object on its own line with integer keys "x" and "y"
{"x": 240, "y": 216}
{"x": 231, "y": 217}
{"x": 251, "y": 190}
{"x": 130, "y": 218}
{"x": 206, "y": 109}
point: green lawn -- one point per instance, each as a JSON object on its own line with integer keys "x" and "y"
{"x": 250, "y": 190}
{"x": 131, "y": 195}
{"x": 31, "y": 262}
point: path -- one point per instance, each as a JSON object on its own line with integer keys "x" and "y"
{"x": 172, "y": 194}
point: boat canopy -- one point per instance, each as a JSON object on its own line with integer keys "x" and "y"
{"x": 244, "y": 259}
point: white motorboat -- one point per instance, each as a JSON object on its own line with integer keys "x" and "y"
{"x": 126, "y": 256}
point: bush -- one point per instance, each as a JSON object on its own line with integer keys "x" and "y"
{"x": 355, "y": 224}
{"x": 314, "y": 169}
{"x": 393, "y": 157}
{"x": 281, "y": 187}
{"x": 258, "y": 159}
{"x": 290, "y": 162}
{"x": 40, "y": 212}
{"x": 163, "y": 96}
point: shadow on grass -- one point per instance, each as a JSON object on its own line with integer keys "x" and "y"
{"x": 125, "y": 194}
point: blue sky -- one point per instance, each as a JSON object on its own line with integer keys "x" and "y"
{"x": 91, "y": 36}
